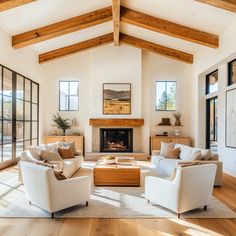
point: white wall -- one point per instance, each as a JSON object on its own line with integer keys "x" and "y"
{"x": 206, "y": 61}
{"x": 124, "y": 64}
{"x": 160, "y": 68}
{"x": 106, "y": 64}
{"x": 25, "y": 62}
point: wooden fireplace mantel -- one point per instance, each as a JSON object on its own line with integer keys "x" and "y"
{"x": 116, "y": 122}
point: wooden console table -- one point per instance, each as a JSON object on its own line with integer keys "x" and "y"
{"x": 116, "y": 175}
{"x": 79, "y": 141}
{"x": 156, "y": 141}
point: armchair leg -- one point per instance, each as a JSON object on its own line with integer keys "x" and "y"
{"x": 205, "y": 207}
{"x": 52, "y": 215}
{"x": 148, "y": 201}
{"x": 178, "y": 215}
{"x": 30, "y": 203}
{"x": 86, "y": 203}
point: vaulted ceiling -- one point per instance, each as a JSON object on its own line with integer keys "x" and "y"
{"x": 57, "y": 28}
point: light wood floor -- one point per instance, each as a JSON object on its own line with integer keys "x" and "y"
{"x": 128, "y": 227}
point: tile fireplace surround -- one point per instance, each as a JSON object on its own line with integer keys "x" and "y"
{"x": 135, "y": 124}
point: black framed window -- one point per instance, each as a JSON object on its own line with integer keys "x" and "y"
{"x": 69, "y": 95}
{"x": 19, "y": 113}
{"x": 212, "y": 82}
{"x": 212, "y": 123}
{"x": 232, "y": 72}
{"x": 166, "y": 93}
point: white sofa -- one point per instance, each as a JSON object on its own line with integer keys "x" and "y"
{"x": 45, "y": 191}
{"x": 165, "y": 166}
{"x": 68, "y": 166}
{"x": 191, "y": 188}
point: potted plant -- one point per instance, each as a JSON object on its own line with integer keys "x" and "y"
{"x": 61, "y": 123}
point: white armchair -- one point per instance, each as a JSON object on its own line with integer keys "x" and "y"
{"x": 45, "y": 191}
{"x": 191, "y": 188}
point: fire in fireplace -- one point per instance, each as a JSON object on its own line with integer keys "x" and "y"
{"x": 116, "y": 140}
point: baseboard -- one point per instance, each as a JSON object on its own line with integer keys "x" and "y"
{"x": 8, "y": 163}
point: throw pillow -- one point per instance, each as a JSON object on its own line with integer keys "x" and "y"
{"x": 69, "y": 144}
{"x": 52, "y": 147}
{"x": 35, "y": 152}
{"x": 165, "y": 147}
{"x": 59, "y": 175}
{"x": 205, "y": 154}
{"x": 66, "y": 153}
{"x": 50, "y": 156}
{"x": 173, "y": 153}
{"x": 190, "y": 154}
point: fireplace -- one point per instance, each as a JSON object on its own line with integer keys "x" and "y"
{"x": 116, "y": 140}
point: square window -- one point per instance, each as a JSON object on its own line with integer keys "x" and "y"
{"x": 166, "y": 95}
{"x": 69, "y": 96}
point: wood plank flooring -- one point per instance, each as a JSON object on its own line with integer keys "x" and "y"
{"x": 128, "y": 227}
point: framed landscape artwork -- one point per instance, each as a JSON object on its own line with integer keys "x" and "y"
{"x": 116, "y": 98}
{"x": 230, "y": 119}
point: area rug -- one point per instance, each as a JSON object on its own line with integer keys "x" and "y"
{"x": 105, "y": 202}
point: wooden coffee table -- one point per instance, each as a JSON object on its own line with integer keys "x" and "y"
{"x": 116, "y": 175}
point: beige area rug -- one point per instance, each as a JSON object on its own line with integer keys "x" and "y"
{"x": 106, "y": 202}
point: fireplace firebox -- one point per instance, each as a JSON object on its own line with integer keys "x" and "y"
{"x": 116, "y": 140}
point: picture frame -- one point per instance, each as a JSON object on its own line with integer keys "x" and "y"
{"x": 230, "y": 119}
{"x": 117, "y": 98}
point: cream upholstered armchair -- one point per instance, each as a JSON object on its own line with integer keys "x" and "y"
{"x": 191, "y": 188}
{"x": 45, "y": 191}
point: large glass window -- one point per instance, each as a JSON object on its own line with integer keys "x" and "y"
{"x": 232, "y": 72}
{"x": 69, "y": 95}
{"x": 212, "y": 82}
{"x": 19, "y": 104}
{"x": 166, "y": 95}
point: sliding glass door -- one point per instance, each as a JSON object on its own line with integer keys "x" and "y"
{"x": 19, "y": 119}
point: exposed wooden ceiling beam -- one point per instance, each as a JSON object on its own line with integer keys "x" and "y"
{"x": 229, "y": 5}
{"x": 63, "y": 27}
{"x": 116, "y": 20}
{"x": 8, "y": 4}
{"x": 75, "y": 48}
{"x": 168, "y": 27}
{"x": 165, "y": 51}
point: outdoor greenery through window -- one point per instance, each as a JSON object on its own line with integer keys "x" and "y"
{"x": 212, "y": 82}
{"x": 69, "y": 95}
{"x": 166, "y": 95}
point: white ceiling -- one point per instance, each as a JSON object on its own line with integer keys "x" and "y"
{"x": 186, "y": 12}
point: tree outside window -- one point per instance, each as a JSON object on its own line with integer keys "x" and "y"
{"x": 166, "y": 95}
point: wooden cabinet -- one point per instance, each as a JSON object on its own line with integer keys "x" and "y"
{"x": 79, "y": 141}
{"x": 156, "y": 141}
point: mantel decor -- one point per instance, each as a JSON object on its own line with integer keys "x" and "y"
{"x": 230, "y": 119}
{"x": 117, "y": 99}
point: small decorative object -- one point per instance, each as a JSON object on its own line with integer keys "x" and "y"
{"x": 165, "y": 133}
{"x": 165, "y": 121}
{"x": 117, "y": 98}
{"x": 177, "y": 116}
{"x": 177, "y": 132}
{"x": 110, "y": 159}
{"x": 74, "y": 123}
{"x": 61, "y": 123}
